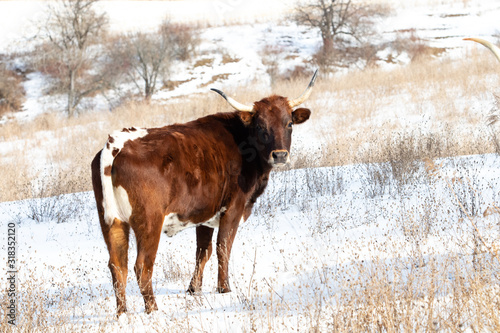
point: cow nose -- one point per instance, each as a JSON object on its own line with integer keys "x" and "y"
{"x": 279, "y": 157}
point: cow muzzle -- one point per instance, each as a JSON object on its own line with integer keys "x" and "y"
{"x": 279, "y": 157}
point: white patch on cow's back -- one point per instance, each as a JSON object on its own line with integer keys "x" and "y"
{"x": 172, "y": 225}
{"x": 120, "y": 137}
{"x": 115, "y": 200}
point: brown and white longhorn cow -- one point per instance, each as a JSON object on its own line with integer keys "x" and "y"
{"x": 206, "y": 173}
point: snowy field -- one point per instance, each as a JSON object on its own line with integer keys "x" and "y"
{"x": 336, "y": 248}
{"x": 316, "y": 235}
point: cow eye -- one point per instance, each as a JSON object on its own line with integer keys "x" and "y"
{"x": 289, "y": 125}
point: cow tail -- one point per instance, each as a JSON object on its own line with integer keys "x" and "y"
{"x": 108, "y": 155}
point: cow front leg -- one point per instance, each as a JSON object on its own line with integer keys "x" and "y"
{"x": 203, "y": 253}
{"x": 225, "y": 238}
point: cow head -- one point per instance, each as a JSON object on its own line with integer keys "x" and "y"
{"x": 270, "y": 122}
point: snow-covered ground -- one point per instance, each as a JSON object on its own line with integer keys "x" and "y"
{"x": 311, "y": 231}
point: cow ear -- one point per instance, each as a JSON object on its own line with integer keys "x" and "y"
{"x": 300, "y": 115}
{"x": 246, "y": 117}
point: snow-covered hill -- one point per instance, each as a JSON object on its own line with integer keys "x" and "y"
{"x": 253, "y": 27}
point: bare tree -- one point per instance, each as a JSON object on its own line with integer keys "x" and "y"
{"x": 342, "y": 23}
{"x": 150, "y": 59}
{"x": 70, "y": 55}
{"x": 147, "y": 58}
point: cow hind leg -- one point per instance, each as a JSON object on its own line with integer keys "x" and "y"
{"x": 116, "y": 237}
{"x": 203, "y": 253}
{"x": 147, "y": 246}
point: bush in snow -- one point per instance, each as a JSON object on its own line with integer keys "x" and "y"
{"x": 11, "y": 90}
{"x": 493, "y": 122}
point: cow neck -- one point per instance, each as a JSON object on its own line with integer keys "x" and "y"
{"x": 255, "y": 170}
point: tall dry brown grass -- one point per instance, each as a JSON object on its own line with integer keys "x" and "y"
{"x": 354, "y": 116}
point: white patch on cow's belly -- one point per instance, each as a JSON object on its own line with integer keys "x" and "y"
{"x": 172, "y": 225}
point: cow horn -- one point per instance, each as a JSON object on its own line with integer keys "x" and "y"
{"x": 301, "y": 99}
{"x": 237, "y": 105}
{"x": 493, "y": 48}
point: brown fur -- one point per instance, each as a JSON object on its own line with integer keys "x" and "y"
{"x": 107, "y": 171}
{"x": 194, "y": 170}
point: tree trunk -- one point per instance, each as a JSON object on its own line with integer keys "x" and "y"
{"x": 71, "y": 94}
{"x": 147, "y": 91}
{"x": 327, "y": 44}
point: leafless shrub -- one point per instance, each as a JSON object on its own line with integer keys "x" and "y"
{"x": 272, "y": 55}
{"x": 467, "y": 195}
{"x": 146, "y": 58}
{"x": 324, "y": 182}
{"x": 51, "y": 204}
{"x": 405, "y": 159}
{"x": 376, "y": 180}
{"x": 397, "y": 162}
{"x": 492, "y": 122}
{"x": 185, "y": 39}
{"x": 466, "y": 191}
{"x": 407, "y": 41}
{"x": 362, "y": 56}
{"x": 416, "y": 220}
{"x": 172, "y": 270}
{"x": 469, "y": 201}
{"x": 494, "y": 115}
{"x": 11, "y": 90}
{"x": 299, "y": 72}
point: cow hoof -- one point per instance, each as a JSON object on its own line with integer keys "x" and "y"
{"x": 193, "y": 291}
{"x": 151, "y": 307}
{"x": 223, "y": 290}
{"x": 120, "y": 312}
